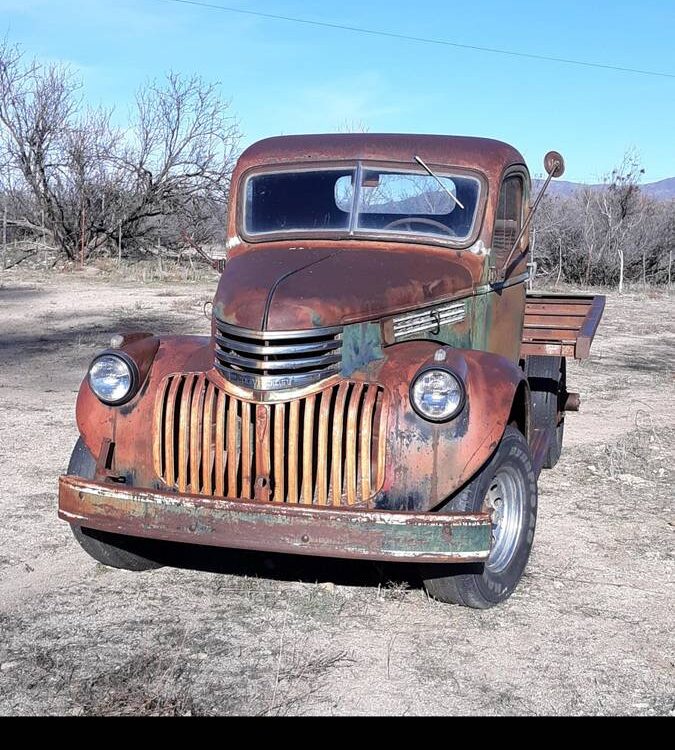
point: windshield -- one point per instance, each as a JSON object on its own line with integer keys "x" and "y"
{"x": 386, "y": 201}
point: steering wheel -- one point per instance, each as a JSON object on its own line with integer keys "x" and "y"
{"x": 420, "y": 220}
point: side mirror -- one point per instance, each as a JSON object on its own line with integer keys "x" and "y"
{"x": 554, "y": 164}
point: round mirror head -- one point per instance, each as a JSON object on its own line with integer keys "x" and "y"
{"x": 554, "y": 164}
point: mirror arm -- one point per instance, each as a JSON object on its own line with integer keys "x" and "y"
{"x": 552, "y": 173}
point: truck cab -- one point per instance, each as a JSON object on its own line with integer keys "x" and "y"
{"x": 378, "y": 383}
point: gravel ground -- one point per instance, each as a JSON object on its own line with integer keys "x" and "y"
{"x": 589, "y": 630}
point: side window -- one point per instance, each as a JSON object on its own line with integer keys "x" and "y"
{"x": 508, "y": 218}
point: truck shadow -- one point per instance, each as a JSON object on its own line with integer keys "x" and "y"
{"x": 284, "y": 567}
{"x": 66, "y": 343}
{"x": 11, "y": 293}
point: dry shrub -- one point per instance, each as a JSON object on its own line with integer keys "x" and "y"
{"x": 150, "y": 685}
{"x": 644, "y": 453}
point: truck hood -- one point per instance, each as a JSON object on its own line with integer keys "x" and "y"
{"x": 288, "y": 289}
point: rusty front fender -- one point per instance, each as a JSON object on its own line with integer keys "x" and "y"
{"x": 120, "y": 437}
{"x": 427, "y": 462}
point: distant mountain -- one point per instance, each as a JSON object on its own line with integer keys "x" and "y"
{"x": 662, "y": 190}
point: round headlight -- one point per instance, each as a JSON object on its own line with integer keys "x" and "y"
{"x": 111, "y": 378}
{"x": 437, "y": 395}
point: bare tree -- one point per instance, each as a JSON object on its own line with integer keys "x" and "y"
{"x": 607, "y": 234}
{"x": 352, "y": 126}
{"x": 36, "y": 106}
{"x": 75, "y": 177}
{"x": 182, "y": 149}
{"x": 621, "y": 207}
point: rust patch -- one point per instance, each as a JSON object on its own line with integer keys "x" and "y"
{"x": 330, "y": 532}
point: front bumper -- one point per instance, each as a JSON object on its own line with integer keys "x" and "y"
{"x": 306, "y": 530}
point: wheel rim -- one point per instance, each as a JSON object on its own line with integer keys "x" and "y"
{"x": 505, "y": 499}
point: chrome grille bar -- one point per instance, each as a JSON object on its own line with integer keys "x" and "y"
{"x": 303, "y": 333}
{"x": 428, "y": 320}
{"x": 277, "y": 360}
{"x": 281, "y": 364}
{"x": 277, "y": 349}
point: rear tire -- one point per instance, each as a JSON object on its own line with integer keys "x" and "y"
{"x": 548, "y": 380}
{"x": 507, "y": 485}
{"x": 113, "y": 550}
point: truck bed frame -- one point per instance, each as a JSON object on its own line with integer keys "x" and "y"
{"x": 560, "y": 325}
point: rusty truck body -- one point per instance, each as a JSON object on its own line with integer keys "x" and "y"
{"x": 377, "y": 384}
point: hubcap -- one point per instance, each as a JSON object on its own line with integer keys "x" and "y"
{"x": 505, "y": 500}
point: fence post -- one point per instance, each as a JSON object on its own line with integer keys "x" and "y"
{"x": 44, "y": 239}
{"x": 119, "y": 245}
{"x": 4, "y": 239}
{"x": 82, "y": 237}
{"x": 533, "y": 267}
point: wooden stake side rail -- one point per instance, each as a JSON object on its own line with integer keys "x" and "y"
{"x": 560, "y": 324}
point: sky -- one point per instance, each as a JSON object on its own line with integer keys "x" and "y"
{"x": 284, "y": 77}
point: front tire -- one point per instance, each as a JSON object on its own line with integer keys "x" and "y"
{"x": 113, "y": 550}
{"x": 506, "y": 486}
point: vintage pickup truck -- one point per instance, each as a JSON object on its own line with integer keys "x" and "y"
{"x": 378, "y": 383}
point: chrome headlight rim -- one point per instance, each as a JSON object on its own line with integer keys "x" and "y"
{"x": 133, "y": 372}
{"x": 435, "y": 366}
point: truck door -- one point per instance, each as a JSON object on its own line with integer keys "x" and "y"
{"x": 507, "y": 300}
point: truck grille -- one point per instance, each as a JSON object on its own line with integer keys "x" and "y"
{"x": 274, "y": 360}
{"x": 324, "y": 449}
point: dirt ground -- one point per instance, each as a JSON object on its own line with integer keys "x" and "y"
{"x": 589, "y": 630}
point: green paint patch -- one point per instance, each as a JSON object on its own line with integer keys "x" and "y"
{"x": 361, "y": 346}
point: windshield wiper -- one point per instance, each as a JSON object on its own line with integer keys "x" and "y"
{"x": 439, "y": 181}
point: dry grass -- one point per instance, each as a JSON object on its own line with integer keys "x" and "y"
{"x": 302, "y": 674}
{"x": 154, "y": 271}
{"x": 587, "y": 631}
{"x": 642, "y": 455}
{"x": 150, "y": 685}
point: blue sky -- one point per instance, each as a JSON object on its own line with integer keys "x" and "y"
{"x": 290, "y": 78}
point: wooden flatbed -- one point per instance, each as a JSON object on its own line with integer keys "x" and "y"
{"x": 561, "y": 325}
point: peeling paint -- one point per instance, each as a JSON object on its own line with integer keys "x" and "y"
{"x": 280, "y": 528}
{"x": 361, "y": 346}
